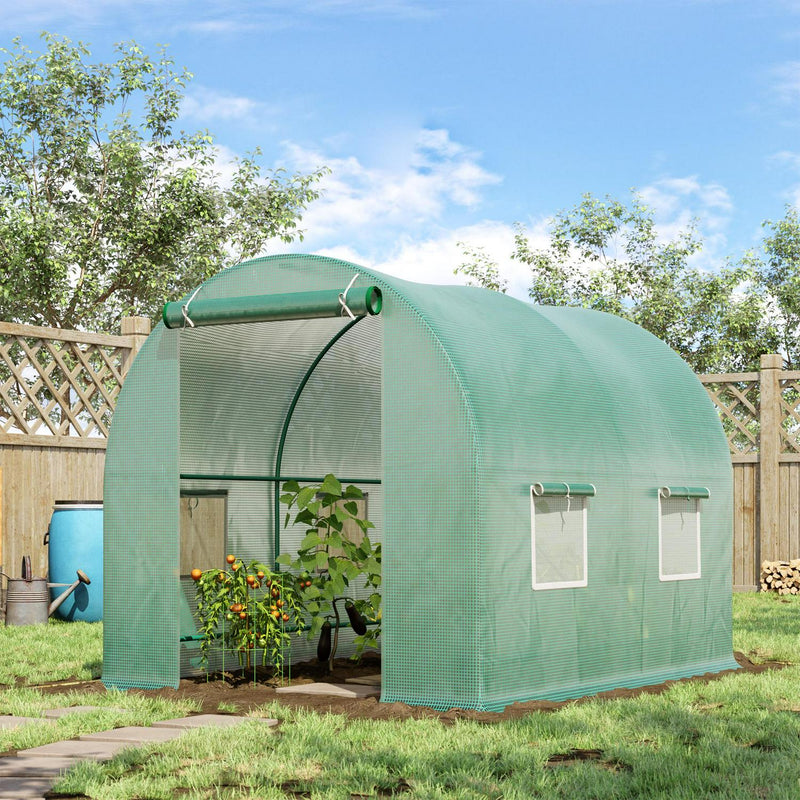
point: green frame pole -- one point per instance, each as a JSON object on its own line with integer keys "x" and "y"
{"x": 191, "y": 476}
{"x": 360, "y": 301}
{"x": 282, "y": 441}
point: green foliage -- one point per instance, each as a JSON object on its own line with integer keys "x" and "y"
{"x": 778, "y": 271}
{"x": 608, "y": 256}
{"x": 253, "y": 610}
{"x": 106, "y": 209}
{"x": 250, "y": 609}
{"x": 480, "y": 270}
{"x": 331, "y": 556}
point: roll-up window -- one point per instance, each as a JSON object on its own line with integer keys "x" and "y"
{"x": 679, "y": 532}
{"x": 558, "y": 534}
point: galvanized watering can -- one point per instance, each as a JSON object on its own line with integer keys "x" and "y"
{"x": 28, "y": 599}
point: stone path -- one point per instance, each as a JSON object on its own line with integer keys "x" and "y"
{"x": 29, "y": 774}
{"x": 353, "y": 690}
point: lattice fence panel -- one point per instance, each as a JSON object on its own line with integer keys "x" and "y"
{"x": 53, "y": 387}
{"x": 790, "y": 412}
{"x": 737, "y": 398}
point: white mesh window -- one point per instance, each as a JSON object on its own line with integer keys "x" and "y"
{"x": 679, "y": 538}
{"x": 558, "y": 542}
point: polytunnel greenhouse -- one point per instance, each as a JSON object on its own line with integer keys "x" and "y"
{"x": 551, "y": 486}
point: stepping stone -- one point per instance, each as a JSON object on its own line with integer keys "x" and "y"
{"x": 34, "y": 767}
{"x": 96, "y": 751}
{"x": 367, "y": 680}
{"x": 134, "y": 734}
{"x": 7, "y": 723}
{"x": 23, "y": 788}
{"x": 57, "y": 713}
{"x": 211, "y": 720}
{"x": 333, "y": 689}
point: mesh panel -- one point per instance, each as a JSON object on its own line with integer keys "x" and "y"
{"x": 559, "y": 541}
{"x": 140, "y": 519}
{"x": 432, "y": 585}
{"x": 679, "y": 531}
{"x": 458, "y": 399}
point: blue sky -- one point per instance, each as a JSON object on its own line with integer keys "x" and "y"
{"x": 448, "y": 121}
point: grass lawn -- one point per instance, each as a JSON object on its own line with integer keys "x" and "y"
{"x": 738, "y": 737}
{"x": 53, "y": 652}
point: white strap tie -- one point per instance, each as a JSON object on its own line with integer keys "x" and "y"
{"x": 185, "y": 308}
{"x": 343, "y": 298}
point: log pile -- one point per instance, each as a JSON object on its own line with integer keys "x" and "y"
{"x": 782, "y": 577}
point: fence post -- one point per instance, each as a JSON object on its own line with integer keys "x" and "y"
{"x": 769, "y": 457}
{"x": 137, "y": 329}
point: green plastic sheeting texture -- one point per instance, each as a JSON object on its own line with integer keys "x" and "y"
{"x": 460, "y": 400}
{"x": 549, "y": 395}
{"x": 140, "y": 553}
{"x": 433, "y": 585}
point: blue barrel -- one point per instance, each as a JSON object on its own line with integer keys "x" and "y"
{"x": 76, "y": 542}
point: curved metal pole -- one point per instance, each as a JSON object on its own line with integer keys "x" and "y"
{"x": 285, "y": 430}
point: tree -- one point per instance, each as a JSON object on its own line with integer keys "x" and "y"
{"x": 105, "y": 208}
{"x": 480, "y": 270}
{"x": 777, "y": 269}
{"x": 608, "y": 256}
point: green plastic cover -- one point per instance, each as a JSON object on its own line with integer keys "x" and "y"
{"x": 458, "y": 400}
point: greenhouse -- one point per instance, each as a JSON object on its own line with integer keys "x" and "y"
{"x": 551, "y": 486}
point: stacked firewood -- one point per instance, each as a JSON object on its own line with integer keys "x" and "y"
{"x": 782, "y": 577}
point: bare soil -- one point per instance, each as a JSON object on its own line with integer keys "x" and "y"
{"x": 241, "y": 692}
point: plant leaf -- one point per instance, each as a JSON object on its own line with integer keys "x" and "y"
{"x": 305, "y": 496}
{"x": 331, "y": 485}
{"x": 310, "y": 540}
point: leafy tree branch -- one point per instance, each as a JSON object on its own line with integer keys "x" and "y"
{"x": 106, "y": 207}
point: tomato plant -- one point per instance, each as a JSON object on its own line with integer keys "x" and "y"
{"x": 240, "y": 613}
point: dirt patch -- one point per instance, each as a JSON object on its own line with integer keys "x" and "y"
{"x": 239, "y": 692}
{"x": 578, "y": 755}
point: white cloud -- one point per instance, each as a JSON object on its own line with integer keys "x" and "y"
{"x": 434, "y": 259}
{"x": 203, "y": 103}
{"x": 218, "y": 26}
{"x": 373, "y": 207}
{"x": 396, "y": 218}
{"x": 677, "y": 202}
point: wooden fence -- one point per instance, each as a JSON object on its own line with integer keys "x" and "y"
{"x": 58, "y": 389}
{"x": 760, "y": 412}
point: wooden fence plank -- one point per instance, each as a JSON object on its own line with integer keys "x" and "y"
{"x": 792, "y": 523}
{"x": 63, "y": 335}
{"x": 739, "y": 542}
{"x": 770, "y": 449}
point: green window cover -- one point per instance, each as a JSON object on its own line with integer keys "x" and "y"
{"x": 563, "y": 489}
{"x": 273, "y": 307}
{"x": 700, "y": 492}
